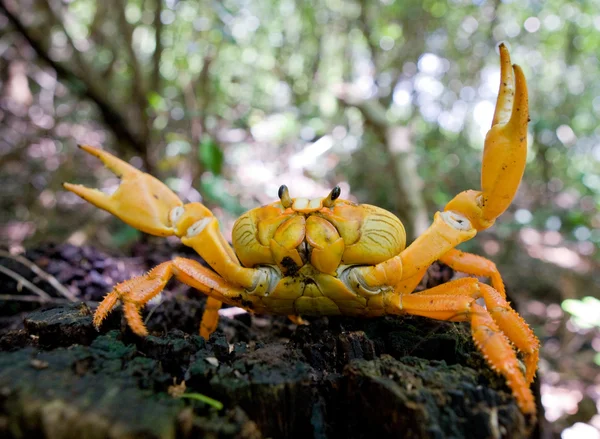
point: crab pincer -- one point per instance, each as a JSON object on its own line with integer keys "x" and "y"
{"x": 505, "y": 150}
{"x": 504, "y": 154}
{"x": 141, "y": 200}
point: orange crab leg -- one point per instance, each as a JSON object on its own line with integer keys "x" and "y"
{"x": 509, "y": 321}
{"x": 475, "y": 265}
{"x": 470, "y": 211}
{"x": 210, "y": 318}
{"x": 456, "y": 301}
{"x": 447, "y": 231}
{"x": 136, "y": 292}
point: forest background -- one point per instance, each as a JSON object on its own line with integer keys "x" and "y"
{"x": 390, "y": 100}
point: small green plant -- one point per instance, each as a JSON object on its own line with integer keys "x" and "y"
{"x": 205, "y": 399}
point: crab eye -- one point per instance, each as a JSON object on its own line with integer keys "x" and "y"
{"x": 284, "y": 196}
{"x": 335, "y": 193}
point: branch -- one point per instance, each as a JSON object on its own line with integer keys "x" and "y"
{"x": 60, "y": 22}
{"x": 196, "y": 105}
{"x": 41, "y": 273}
{"x": 137, "y": 80}
{"x": 158, "y": 26}
{"x": 41, "y": 294}
{"x": 80, "y": 86}
{"x": 372, "y": 110}
{"x": 366, "y": 30}
{"x": 37, "y": 299}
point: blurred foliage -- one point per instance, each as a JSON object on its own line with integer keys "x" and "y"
{"x": 254, "y": 84}
{"x": 585, "y": 312}
{"x": 227, "y": 100}
{"x": 211, "y": 156}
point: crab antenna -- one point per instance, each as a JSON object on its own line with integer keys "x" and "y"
{"x": 284, "y": 196}
{"x": 333, "y": 195}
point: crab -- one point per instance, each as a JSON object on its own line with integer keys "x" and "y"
{"x": 330, "y": 256}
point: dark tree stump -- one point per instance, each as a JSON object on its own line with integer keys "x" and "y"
{"x": 338, "y": 377}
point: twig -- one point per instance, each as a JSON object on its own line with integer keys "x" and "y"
{"x": 57, "y": 300}
{"x": 160, "y": 302}
{"x": 17, "y": 298}
{"x": 43, "y": 296}
{"x": 41, "y": 273}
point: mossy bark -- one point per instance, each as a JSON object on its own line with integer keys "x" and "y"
{"x": 337, "y": 377}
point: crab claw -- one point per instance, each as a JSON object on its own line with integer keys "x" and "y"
{"x": 505, "y": 148}
{"x": 504, "y": 154}
{"x": 141, "y": 200}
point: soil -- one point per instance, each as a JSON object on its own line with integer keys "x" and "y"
{"x": 405, "y": 377}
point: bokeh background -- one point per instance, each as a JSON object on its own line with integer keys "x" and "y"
{"x": 227, "y": 100}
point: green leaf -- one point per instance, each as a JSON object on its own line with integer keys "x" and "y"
{"x": 205, "y": 399}
{"x": 211, "y": 155}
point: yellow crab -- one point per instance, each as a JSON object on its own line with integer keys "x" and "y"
{"x": 329, "y": 256}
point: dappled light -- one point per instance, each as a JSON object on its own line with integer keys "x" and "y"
{"x": 389, "y": 100}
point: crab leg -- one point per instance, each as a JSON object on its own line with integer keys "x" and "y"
{"x": 456, "y": 301}
{"x": 470, "y": 211}
{"x": 475, "y": 265}
{"x": 210, "y": 318}
{"x": 509, "y": 321}
{"x": 136, "y": 292}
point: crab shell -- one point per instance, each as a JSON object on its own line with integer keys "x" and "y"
{"x": 310, "y": 245}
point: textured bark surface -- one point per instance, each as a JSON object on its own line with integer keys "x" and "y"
{"x": 337, "y": 377}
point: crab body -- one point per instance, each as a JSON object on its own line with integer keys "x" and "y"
{"x": 311, "y": 249}
{"x": 329, "y": 256}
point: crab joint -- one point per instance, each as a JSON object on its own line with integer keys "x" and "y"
{"x": 175, "y": 214}
{"x": 197, "y": 227}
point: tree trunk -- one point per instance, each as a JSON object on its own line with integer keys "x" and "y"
{"x": 337, "y": 377}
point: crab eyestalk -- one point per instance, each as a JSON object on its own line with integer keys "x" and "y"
{"x": 505, "y": 151}
{"x": 284, "y": 196}
{"x": 333, "y": 195}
